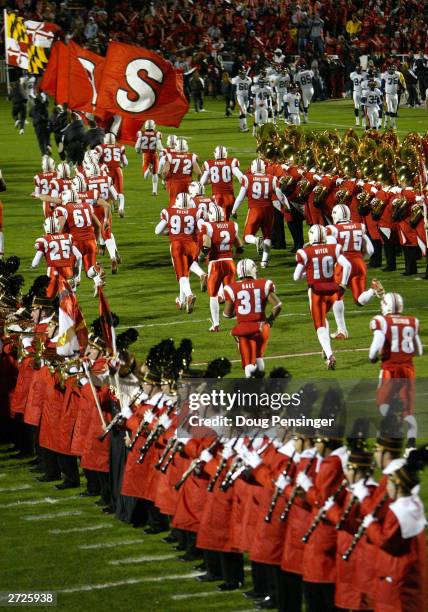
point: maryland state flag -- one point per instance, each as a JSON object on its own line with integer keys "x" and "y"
{"x": 27, "y": 42}
{"x": 72, "y": 329}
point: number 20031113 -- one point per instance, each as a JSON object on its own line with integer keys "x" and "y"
{"x": 29, "y": 598}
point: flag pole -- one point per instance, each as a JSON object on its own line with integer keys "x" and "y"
{"x": 94, "y": 393}
{"x": 5, "y": 50}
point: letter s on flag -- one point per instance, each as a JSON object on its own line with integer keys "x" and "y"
{"x": 146, "y": 94}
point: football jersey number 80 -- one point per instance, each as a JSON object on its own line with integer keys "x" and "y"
{"x": 224, "y": 171}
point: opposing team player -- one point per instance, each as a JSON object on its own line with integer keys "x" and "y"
{"x": 372, "y": 75}
{"x": 242, "y": 83}
{"x": 263, "y": 194}
{"x": 180, "y": 165}
{"x": 357, "y": 78}
{"x": 247, "y": 298}
{"x": 396, "y": 341}
{"x": 292, "y": 104}
{"x": 220, "y": 172}
{"x": 262, "y": 103}
{"x": 318, "y": 260}
{"x": 79, "y": 220}
{"x": 280, "y": 83}
{"x": 372, "y": 101}
{"x": 182, "y": 222}
{"x": 114, "y": 157}
{"x": 392, "y": 81}
{"x": 304, "y": 79}
{"x": 149, "y": 142}
{"x": 219, "y": 236}
{"x": 356, "y": 245}
{"x": 63, "y": 258}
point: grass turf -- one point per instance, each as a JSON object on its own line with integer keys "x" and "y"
{"x": 143, "y": 295}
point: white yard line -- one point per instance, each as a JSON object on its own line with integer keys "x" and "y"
{"x": 141, "y": 559}
{"x": 2, "y": 475}
{"x": 196, "y": 595}
{"x": 31, "y": 502}
{"x": 51, "y": 515}
{"x": 119, "y": 583}
{"x": 110, "y": 544}
{"x": 79, "y": 529}
{"x": 22, "y": 487}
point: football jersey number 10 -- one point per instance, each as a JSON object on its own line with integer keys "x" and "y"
{"x": 326, "y": 269}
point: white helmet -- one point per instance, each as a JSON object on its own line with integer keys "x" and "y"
{"x": 150, "y": 125}
{"x": 184, "y": 200}
{"x": 52, "y": 225}
{"x": 258, "y": 166}
{"x": 341, "y": 213}
{"x": 391, "y": 303}
{"x": 91, "y": 156}
{"x": 216, "y": 214}
{"x": 171, "y": 141}
{"x": 220, "y": 152}
{"x": 109, "y": 138}
{"x": 48, "y": 164}
{"x": 79, "y": 183}
{"x": 63, "y": 170}
{"x": 196, "y": 189}
{"x": 92, "y": 169}
{"x": 317, "y": 234}
{"x": 246, "y": 268}
{"x": 69, "y": 196}
{"x": 181, "y": 145}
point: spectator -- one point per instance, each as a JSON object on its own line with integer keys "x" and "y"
{"x": 353, "y": 26}
{"x": 302, "y": 33}
{"x": 91, "y": 29}
{"x": 316, "y": 34}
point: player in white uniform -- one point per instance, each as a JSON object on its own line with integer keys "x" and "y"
{"x": 303, "y": 78}
{"x": 242, "y": 82}
{"x": 281, "y": 82}
{"x": 372, "y": 100}
{"x": 371, "y": 76}
{"x": 390, "y": 86}
{"x": 292, "y": 101}
{"x": 357, "y": 78}
{"x": 263, "y": 103}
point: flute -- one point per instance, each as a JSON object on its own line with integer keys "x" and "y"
{"x": 322, "y": 513}
{"x": 362, "y": 530}
{"x": 294, "y": 492}
{"x": 278, "y": 491}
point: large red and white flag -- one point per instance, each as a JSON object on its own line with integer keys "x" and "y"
{"x": 72, "y": 329}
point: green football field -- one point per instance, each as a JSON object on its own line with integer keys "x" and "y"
{"x": 50, "y": 539}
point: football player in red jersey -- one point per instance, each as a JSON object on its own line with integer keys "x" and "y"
{"x": 59, "y": 251}
{"x": 218, "y": 239}
{"x": 62, "y": 180}
{"x": 317, "y": 261}
{"x": 396, "y": 341}
{"x": 171, "y": 143}
{"x": 263, "y": 194}
{"x": 247, "y": 298}
{"x": 178, "y": 169}
{"x": 80, "y": 221}
{"x": 103, "y": 183}
{"x": 203, "y": 202}
{"x": 182, "y": 222}
{"x": 355, "y": 246}
{"x": 114, "y": 156}
{"x": 42, "y": 179}
{"x": 220, "y": 172}
{"x": 148, "y": 144}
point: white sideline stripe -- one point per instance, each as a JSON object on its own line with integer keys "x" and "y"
{"x": 31, "y": 502}
{"x": 78, "y": 529}
{"x": 110, "y": 544}
{"x": 142, "y": 559}
{"x": 2, "y": 475}
{"x": 111, "y": 585}
{"x": 50, "y": 515}
{"x": 201, "y": 594}
{"x": 16, "y": 488}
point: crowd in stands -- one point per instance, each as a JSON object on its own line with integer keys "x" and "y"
{"x": 330, "y": 35}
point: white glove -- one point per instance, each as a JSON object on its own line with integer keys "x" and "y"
{"x": 126, "y": 412}
{"x": 182, "y": 440}
{"x": 304, "y": 481}
{"x": 252, "y": 459}
{"x": 328, "y": 504}
{"x": 339, "y": 181}
{"x": 282, "y": 482}
{"x": 205, "y": 456}
{"x": 368, "y": 520}
{"x": 227, "y": 452}
{"x": 164, "y": 421}
{"x": 360, "y": 490}
{"x": 148, "y": 416}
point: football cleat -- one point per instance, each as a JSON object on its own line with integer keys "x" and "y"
{"x": 259, "y": 245}
{"x": 179, "y": 305}
{"x": 121, "y": 213}
{"x": 114, "y": 266}
{"x": 204, "y": 282}
{"x": 339, "y": 335}
{"x": 378, "y": 288}
{"x": 118, "y": 257}
{"x": 17, "y": 123}
{"x": 331, "y": 363}
{"x": 21, "y": 131}
{"x": 190, "y": 303}
{"x": 214, "y": 328}
{"x": 264, "y": 264}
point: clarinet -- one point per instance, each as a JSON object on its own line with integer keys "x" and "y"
{"x": 219, "y": 470}
{"x": 115, "y": 421}
{"x": 294, "y": 492}
{"x": 348, "y": 508}
{"x": 152, "y": 437}
{"x": 236, "y": 464}
{"x": 167, "y": 448}
{"x": 176, "y": 447}
{"x": 321, "y": 514}
{"x": 242, "y": 467}
{"x": 277, "y": 493}
{"x": 362, "y": 530}
{"x": 195, "y": 464}
{"x": 142, "y": 427}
